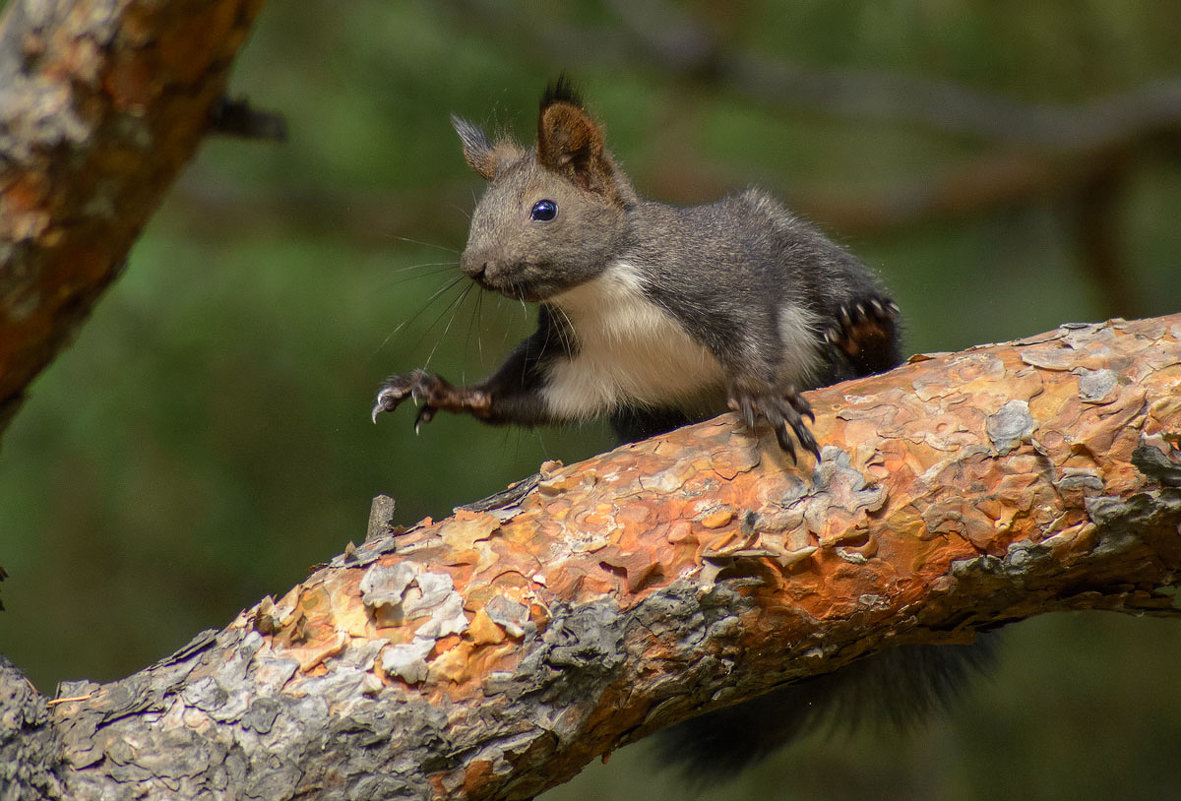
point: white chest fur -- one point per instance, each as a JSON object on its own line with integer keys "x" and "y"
{"x": 629, "y": 351}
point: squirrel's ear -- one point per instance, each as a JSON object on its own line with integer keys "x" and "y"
{"x": 570, "y": 142}
{"x": 478, "y": 151}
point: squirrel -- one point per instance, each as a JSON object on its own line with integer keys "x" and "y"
{"x": 653, "y": 315}
{"x": 658, "y": 316}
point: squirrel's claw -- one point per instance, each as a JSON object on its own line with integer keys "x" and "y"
{"x": 396, "y": 389}
{"x": 784, "y": 438}
{"x": 425, "y": 414}
{"x": 784, "y": 411}
{"x": 387, "y": 400}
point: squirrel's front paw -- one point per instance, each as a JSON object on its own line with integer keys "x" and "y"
{"x": 785, "y": 411}
{"x": 419, "y": 385}
{"x": 430, "y": 393}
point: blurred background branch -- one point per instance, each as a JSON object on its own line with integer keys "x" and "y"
{"x": 653, "y": 34}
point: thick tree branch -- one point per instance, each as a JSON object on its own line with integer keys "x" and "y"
{"x": 101, "y": 103}
{"x": 494, "y": 653}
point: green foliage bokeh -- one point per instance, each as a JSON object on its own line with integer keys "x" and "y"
{"x": 207, "y": 437}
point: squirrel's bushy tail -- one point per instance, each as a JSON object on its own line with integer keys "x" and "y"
{"x": 897, "y": 688}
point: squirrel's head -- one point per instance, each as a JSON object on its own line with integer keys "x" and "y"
{"x": 552, "y": 217}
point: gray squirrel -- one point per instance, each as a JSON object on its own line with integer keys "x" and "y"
{"x": 653, "y": 315}
{"x": 657, "y": 316}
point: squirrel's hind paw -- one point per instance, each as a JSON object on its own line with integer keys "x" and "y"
{"x": 865, "y": 331}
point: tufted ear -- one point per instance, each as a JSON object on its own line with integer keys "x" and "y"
{"x": 478, "y": 151}
{"x": 570, "y": 143}
{"x": 567, "y": 138}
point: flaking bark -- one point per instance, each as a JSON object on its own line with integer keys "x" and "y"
{"x": 494, "y": 653}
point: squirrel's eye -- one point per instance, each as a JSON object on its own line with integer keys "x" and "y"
{"x": 543, "y": 211}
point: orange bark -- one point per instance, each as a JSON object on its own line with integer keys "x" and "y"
{"x": 494, "y": 653}
{"x": 957, "y": 491}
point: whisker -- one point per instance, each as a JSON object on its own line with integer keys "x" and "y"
{"x": 500, "y": 301}
{"x": 451, "y": 307}
{"x": 429, "y": 302}
{"x": 406, "y": 267}
{"x": 434, "y": 245}
{"x": 563, "y": 331}
{"x": 473, "y": 326}
{"x": 404, "y": 275}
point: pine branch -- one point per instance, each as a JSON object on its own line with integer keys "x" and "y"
{"x": 494, "y": 653}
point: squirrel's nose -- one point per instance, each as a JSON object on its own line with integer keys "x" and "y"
{"x": 481, "y": 268}
{"x": 476, "y": 268}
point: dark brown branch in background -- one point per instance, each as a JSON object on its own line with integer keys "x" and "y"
{"x": 101, "y": 103}
{"x": 493, "y": 654}
{"x": 239, "y": 119}
{"x": 1094, "y": 214}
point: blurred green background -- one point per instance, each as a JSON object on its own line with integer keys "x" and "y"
{"x": 207, "y": 437}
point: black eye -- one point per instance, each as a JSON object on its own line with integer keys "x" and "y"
{"x": 543, "y": 211}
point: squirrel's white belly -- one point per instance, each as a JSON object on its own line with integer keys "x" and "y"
{"x": 629, "y": 351}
